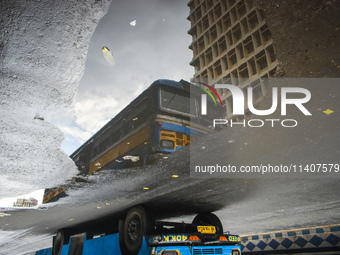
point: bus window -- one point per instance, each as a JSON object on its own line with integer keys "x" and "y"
{"x": 140, "y": 113}
{"x": 104, "y": 140}
{"x": 95, "y": 150}
{"x": 115, "y": 136}
{"x": 126, "y": 124}
{"x": 115, "y": 129}
{"x": 177, "y": 103}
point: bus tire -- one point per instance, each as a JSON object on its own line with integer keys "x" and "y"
{"x": 137, "y": 224}
{"x": 62, "y": 238}
{"x": 209, "y": 219}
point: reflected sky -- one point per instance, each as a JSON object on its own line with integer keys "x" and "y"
{"x": 148, "y": 40}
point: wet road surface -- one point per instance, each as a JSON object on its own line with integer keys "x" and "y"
{"x": 245, "y": 205}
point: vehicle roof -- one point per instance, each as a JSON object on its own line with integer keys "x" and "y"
{"x": 168, "y": 83}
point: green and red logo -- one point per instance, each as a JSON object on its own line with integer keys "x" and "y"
{"x": 204, "y": 97}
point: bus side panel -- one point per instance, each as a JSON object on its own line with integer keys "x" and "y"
{"x": 104, "y": 245}
{"x": 176, "y": 127}
{"x": 109, "y": 244}
{"x": 214, "y": 249}
{"x": 183, "y": 250}
{"x": 145, "y": 249}
{"x": 44, "y": 252}
{"x": 123, "y": 147}
{"x": 65, "y": 250}
{"x": 167, "y": 125}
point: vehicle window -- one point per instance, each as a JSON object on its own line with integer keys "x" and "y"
{"x": 140, "y": 113}
{"x": 177, "y": 103}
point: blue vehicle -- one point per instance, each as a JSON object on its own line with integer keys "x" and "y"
{"x": 138, "y": 234}
{"x": 162, "y": 119}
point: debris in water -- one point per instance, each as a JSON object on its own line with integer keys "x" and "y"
{"x": 133, "y": 23}
{"x": 328, "y": 111}
{"x": 38, "y": 117}
{"x": 108, "y": 55}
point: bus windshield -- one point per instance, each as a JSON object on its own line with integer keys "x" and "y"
{"x": 177, "y": 103}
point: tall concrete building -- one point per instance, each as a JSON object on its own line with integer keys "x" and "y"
{"x": 231, "y": 44}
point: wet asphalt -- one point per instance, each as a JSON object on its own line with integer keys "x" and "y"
{"x": 246, "y": 203}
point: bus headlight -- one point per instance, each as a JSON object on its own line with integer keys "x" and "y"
{"x": 235, "y": 252}
{"x": 167, "y": 144}
{"x": 171, "y": 253}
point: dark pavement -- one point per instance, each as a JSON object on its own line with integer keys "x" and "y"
{"x": 245, "y": 205}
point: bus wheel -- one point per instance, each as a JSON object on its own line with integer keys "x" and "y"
{"x": 137, "y": 224}
{"x": 209, "y": 219}
{"x": 62, "y": 237}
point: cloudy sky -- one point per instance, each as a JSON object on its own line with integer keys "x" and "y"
{"x": 148, "y": 40}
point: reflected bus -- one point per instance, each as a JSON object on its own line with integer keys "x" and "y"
{"x": 162, "y": 119}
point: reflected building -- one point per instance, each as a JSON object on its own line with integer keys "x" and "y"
{"x": 22, "y": 202}
{"x": 231, "y": 44}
